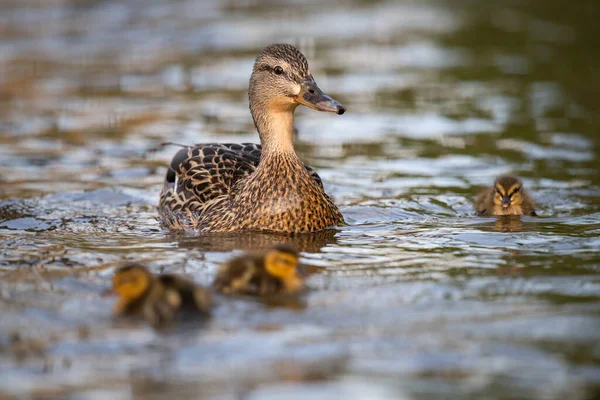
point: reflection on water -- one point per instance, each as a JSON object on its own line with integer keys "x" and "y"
{"x": 418, "y": 298}
{"x": 254, "y": 241}
{"x": 508, "y": 224}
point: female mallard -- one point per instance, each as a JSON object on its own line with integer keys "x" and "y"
{"x": 158, "y": 299}
{"x": 218, "y": 187}
{"x": 271, "y": 272}
{"x": 506, "y": 197}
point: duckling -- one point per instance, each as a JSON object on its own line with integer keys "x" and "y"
{"x": 506, "y": 197}
{"x": 226, "y": 187}
{"x": 156, "y": 298}
{"x": 271, "y": 272}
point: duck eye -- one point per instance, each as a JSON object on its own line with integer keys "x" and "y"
{"x": 278, "y": 70}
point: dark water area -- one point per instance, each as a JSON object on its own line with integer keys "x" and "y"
{"x": 417, "y": 298}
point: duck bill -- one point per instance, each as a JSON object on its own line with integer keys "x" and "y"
{"x": 505, "y": 202}
{"x": 313, "y": 97}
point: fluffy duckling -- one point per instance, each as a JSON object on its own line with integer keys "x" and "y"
{"x": 272, "y": 272}
{"x": 158, "y": 299}
{"x": 506, "y": 197}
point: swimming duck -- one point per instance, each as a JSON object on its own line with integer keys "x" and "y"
{"x": 271, "y": 272}
{"x": 505, "y": 197}
{"x": 158, "y": 299}
{"x": 225, "y": 187}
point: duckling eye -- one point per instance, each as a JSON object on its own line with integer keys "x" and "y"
{"x": 498, "y": 191}
{"x": 278, "y": 70}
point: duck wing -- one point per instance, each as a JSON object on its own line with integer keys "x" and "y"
{"x": 200, "y": 173}
{"x": 203, "y": 172}
{"x": 254, "y": 151}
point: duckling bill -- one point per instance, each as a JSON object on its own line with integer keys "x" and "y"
{"x": 158, "y": 299}
{"x": 505, "y": 197}
{"x": 275, "y": 271}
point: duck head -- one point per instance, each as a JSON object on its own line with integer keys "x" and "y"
{"x": 281, "y": 81}
{"x": 508, "y": 191}
{"x": 281, "y": 262}
{"x": 130, "y": 282}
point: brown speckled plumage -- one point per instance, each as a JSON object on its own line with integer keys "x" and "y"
{"x": 233, "y": 187}
{"x": 288, "y": 54}
{"x": 507, "y": 189}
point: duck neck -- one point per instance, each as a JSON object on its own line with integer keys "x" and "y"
{"x": 275, "y": 127}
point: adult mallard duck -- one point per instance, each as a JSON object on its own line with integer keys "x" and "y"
{"x": 218, "y": 187}
{"x": 505, "y": 197}
{"x": 158, "y": 299}
{"x": 272, "y": 272}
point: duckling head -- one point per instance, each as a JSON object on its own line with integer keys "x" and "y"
{"x": 281, "y": 81}
{"x": 281, "y": 262}
{"x": 130, "y": 283}
{"x": 508, "y": 191}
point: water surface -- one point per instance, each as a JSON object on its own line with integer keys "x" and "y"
{"x": 418, "y": 298}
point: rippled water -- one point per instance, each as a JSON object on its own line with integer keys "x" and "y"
{"x": 419, "y": 298}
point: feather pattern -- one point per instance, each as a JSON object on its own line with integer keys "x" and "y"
{"x": 225, "y": 187}
{"x": 204, "y": 178}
